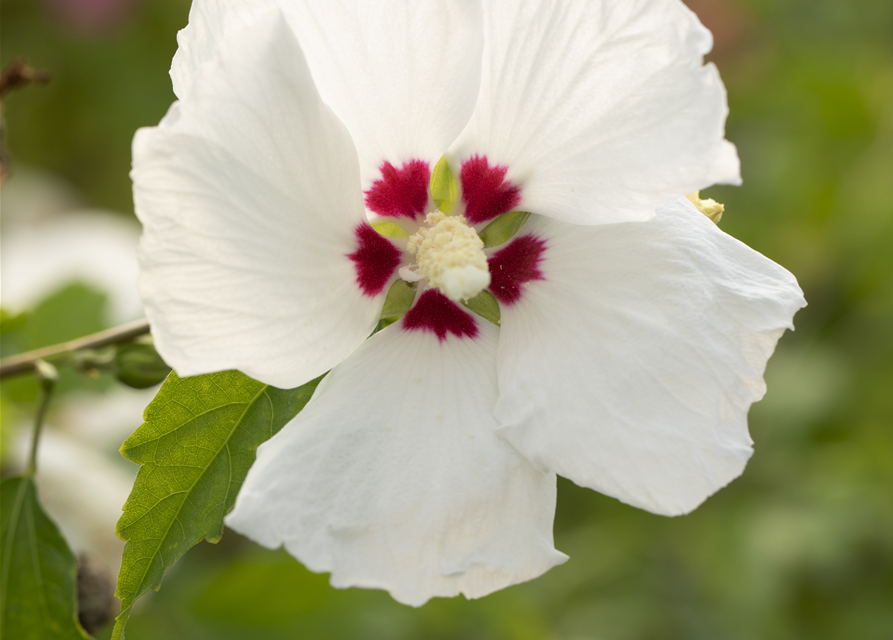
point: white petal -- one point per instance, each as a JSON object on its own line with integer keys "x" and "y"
{"x": 601, "y": 110}
{"x": 210, "y": 23}
{"x": 392, "y": 477}
{"x": 403, "y": 77}
{"x": 249, "y": 196}
{"x": 631, "y": 366}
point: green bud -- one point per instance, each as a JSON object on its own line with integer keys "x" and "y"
{"x": 138, "y": 365}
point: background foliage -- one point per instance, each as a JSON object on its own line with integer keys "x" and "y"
{"x": 800, "y": 547}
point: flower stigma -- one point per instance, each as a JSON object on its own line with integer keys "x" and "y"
{"x": 450, "y": 255}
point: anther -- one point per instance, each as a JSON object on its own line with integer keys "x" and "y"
{"x": 450, "y": 256}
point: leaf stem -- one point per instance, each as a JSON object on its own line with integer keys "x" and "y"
{"x": 26, "y": 362}
{"x": 48, "y": 377}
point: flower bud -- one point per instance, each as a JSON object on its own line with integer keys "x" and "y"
{"x": 138, "y": 365}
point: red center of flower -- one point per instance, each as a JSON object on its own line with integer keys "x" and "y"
{"x": 514, "y": 266}
{"x": 436, "y": 313}
{"x": 375, "y": 260}
{"x": 400, "y": 192}
{"x": 486, "y": 194}
{"x": 485, "y": 191}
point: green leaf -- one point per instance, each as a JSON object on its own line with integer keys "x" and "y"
{"x": 11, "y": 330}
{"x": 443, "y": 186}
{"x": 503, "y": 228}
{"x": 200, "y": 438}
{"x": 72, "y": 311}
{"x": 390, "y": 229}
{"x": 38, "y": 592}
{"x": 399, "y": 299}
{"x": 485, "y": 305}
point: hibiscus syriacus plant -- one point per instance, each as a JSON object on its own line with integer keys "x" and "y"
{"x": 499, "y": 187}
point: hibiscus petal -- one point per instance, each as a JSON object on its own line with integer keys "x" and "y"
{"x": 210, "y": 23}
{"x": 655, "y": 336}
{"x": 403, "y": 77}
{"x": 392, "y": 477}
{"x": 249, "y": 196}
{"x": 600, "y": 110}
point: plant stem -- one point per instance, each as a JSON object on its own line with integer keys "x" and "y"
{"x": 18, "y": 74}
{"x": 48, "y": 379}
{"x": 26, "y": 362}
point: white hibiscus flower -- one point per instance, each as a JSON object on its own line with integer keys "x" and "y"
{"x": 628, "y": 351}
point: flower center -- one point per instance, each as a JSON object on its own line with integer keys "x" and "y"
{"x": 450, "y": 255}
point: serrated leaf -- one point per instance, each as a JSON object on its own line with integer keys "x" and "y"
{"x": 38, "y": 579}
{"x": 390, "y": 229}
{"x": 200, "y": 438}
{"x": 486, "y": 306}
{"x": 503, "y": 228}
{"x": 443, "y": 186}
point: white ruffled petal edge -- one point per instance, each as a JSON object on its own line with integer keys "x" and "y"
{"x": 630, "y": 368}
{"x": 601, "y": 111}
{"x": 392, "y": 476}
{"x": 249, "y": 197}
{"x": 210, "y": 23}
{"x": 402, "y": 76}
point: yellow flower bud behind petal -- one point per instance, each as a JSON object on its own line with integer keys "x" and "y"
{"x": 709, "y": 207}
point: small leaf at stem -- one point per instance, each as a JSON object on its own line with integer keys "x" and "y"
{"x": 503, "y": 228}
{"x": 486, "y": 306}
{"x": 399, "y": 299}
{"x": 443, "y": 186}
{"x": 390, "y": 229}
{"x": 200, "y": 438}
{"x": 38, "y": 592}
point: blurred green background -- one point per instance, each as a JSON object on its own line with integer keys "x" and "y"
{"x": 800, "y": 547}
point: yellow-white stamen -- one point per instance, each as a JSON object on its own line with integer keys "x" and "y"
{"x": 709, "y": 207}
{"x": 450, "y": 256}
